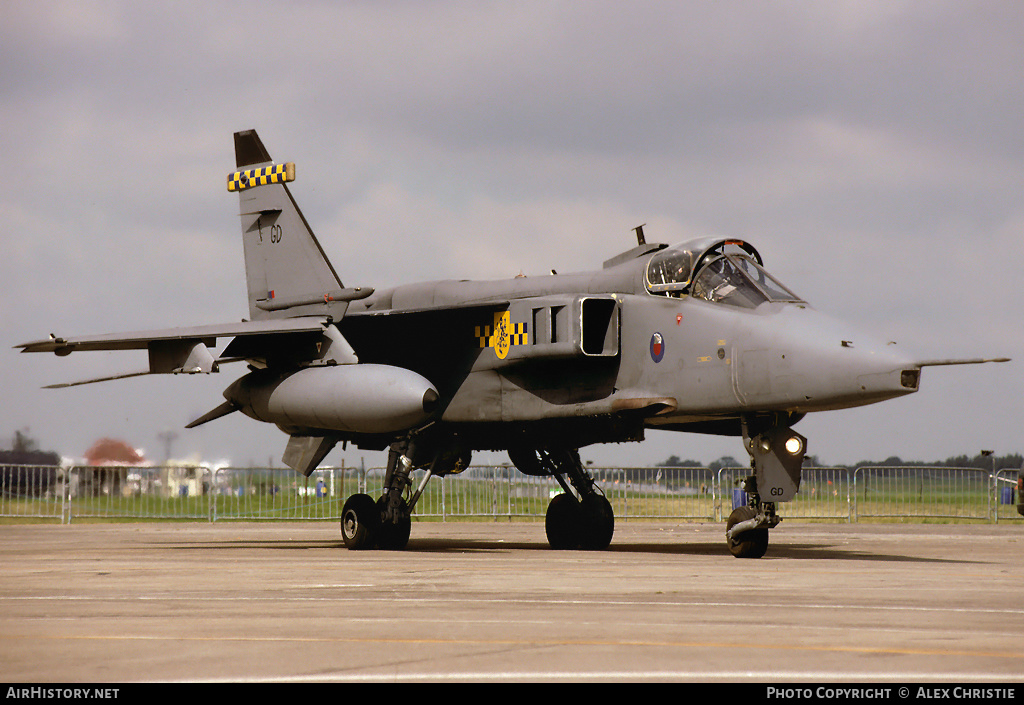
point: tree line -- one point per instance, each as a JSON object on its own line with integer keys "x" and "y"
{"x": 25, "y": 451}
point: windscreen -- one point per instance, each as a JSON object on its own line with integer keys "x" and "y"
{"x": 736, "y": 280}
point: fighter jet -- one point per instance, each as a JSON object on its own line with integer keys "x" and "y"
{"x": 695, "y": 337}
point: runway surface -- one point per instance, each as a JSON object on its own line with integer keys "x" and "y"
{"x": 474, "y": 602}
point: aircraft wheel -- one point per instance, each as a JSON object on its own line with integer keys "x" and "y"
{"x": 749, "y": 544}
{"x": 394, "y": 536}
{"x": 562, "y": 522}
{"x": 598, "y": 522}
{"x": 360, "y": 522}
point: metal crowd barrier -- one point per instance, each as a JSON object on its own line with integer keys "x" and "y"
{"x": 31, "y": 491}
{"x": 496, "y": 492}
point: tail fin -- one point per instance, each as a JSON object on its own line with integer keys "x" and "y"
{"x": 286, "y": 270}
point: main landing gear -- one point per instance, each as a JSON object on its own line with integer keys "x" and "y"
{"x": 570, "y": 523}
{"x": 387, "y": 522}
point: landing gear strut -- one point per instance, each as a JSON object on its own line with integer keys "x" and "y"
{"x": 570, "y": 523}
{"x": 387, "y": 522}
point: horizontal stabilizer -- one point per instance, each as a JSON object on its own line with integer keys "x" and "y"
{"x": 126, "y": 375}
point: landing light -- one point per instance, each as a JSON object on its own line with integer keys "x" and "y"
{"x": 794, "y": 445}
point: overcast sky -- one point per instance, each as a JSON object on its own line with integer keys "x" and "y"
{"x": 873, "y": 153}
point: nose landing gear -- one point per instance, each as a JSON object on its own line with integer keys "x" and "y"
{"x": 776, "y": 456}
{"x": 746, "y": 531}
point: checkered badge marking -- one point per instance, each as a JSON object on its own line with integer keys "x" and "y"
{"x": 502, "y": 335}
{"x": 248, "y": 178}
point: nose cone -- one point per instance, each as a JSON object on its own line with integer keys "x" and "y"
{"x": 813, "y": 363}
{"x": 884, "y": 375}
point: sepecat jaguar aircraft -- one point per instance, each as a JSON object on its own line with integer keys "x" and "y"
{"x": 694, "y": 337}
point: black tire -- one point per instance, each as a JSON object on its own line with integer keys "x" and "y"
{"x": 597, "y": 522}
{"x": 562, "y": 522}
{"x": 360, "y": 522}
{"x": 394, "y": 536}
{"x": 749, "y": 544}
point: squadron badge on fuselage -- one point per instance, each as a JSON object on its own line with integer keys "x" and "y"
{"x": 502, "y": 334}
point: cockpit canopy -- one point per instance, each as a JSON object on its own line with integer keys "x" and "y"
{"x": 726, "y": 271}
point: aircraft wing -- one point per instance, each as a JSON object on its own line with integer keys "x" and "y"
{"x": 142, "y": 340}
{"x": 186, "y": 350}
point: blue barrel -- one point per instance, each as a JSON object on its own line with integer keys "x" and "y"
{"x": 1006, "y": 495}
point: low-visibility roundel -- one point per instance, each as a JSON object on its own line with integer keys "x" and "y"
{"x": 657, "y": 347}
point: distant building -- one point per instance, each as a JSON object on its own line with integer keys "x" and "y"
{"x": 106, "y": 470}
{"x": 112, "y": 452}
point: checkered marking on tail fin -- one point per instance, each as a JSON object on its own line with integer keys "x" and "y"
{"x": 274, "y": 174}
